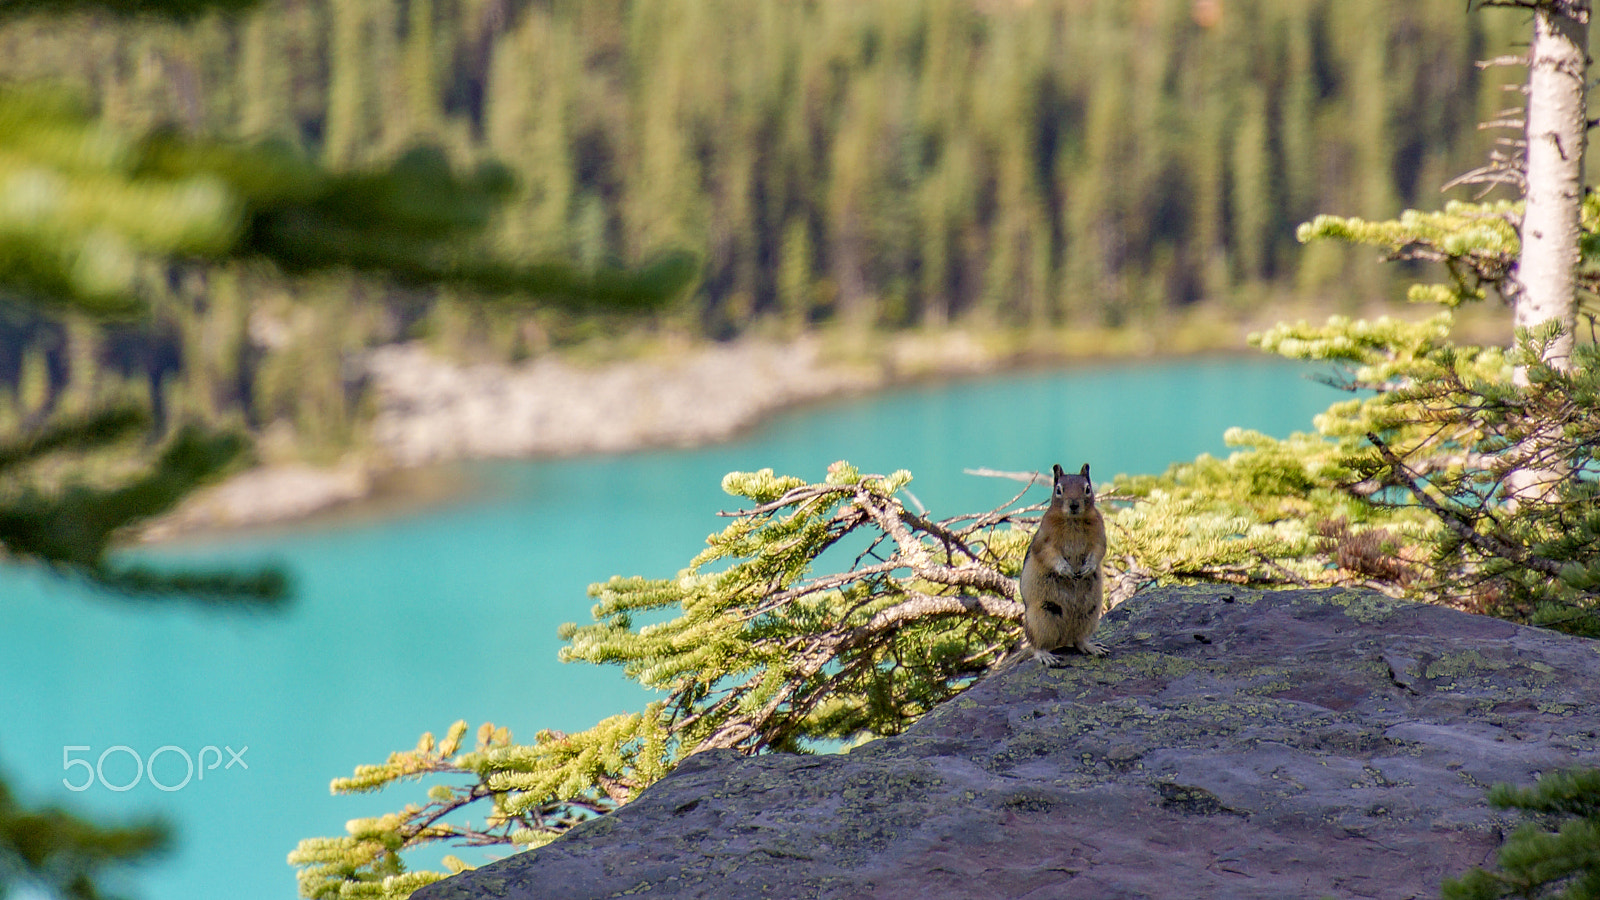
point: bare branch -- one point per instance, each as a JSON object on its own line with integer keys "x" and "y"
{"x": 1457, "y": 522}
{"x": 1031, "y": 478}
{"x": 1508, "y": 60}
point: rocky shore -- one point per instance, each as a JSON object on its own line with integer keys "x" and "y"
{"x": 262, "y": 496}
{"x": 430, "y": 410}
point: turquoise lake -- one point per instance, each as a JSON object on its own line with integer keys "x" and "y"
{"x": 406, "y": 624}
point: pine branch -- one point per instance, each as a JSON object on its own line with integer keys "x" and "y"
{"x": 1543, "y": 858}
{"x": 1458, "y": 522}
{"x": 91, "y": 431}
{"x": 107, "y": 202}
{"x": 764, "y": 653}
{"x": 264, "y": 588}
{"x": 66, "y": 854}
{"x": 71, "y": 530}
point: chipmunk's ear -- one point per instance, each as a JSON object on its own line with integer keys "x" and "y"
{"x": 1085, "y": 472}
{"x": 1059, "y": 471}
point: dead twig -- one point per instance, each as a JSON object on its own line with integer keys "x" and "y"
{"x": 1457, "y": 522}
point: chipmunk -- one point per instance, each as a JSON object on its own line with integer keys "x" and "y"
{"x": 1061, "y": 585}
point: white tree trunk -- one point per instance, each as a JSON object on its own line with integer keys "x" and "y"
{"x": 1557, "y": 135}
{"x": 1558, "y": 127}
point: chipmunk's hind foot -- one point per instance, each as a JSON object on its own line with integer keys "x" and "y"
{"x": 1047, "y": 659}
{"x": 1091, "y": 648}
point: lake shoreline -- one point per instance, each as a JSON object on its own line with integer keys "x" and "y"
{"x": 433, "y": 413}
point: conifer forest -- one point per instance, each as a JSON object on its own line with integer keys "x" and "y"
{"x": 885, "y": 164}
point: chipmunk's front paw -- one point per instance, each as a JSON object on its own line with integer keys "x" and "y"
{"x": 1091, "y": 648}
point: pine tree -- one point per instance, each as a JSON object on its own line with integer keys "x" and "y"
{"x": 1439, "y": 442}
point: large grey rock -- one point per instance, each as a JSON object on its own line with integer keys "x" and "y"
{"x": 1235, "y": 744}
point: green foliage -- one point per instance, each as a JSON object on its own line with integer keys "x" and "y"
{"x": 86, "y": 205}
{"x": 68, "y": 523}
{"x": 1301, "y": 510}
{"x": 1442, "y": 427}
{"x": 763, "y": 651}
{"x": 1403, "y": 487}
{"x": 111, "y": 424}
{"x": 764, "y": 654}
{"x": 1555, "y": 855}
{"x": 536, "y": 792}
{"x": 76, "y": 218}
{"x": 1477, "y": 242}
{"x": 1259, "y": 516}
{"x": 64, "y": 854}
{"x": 408, "y": 221}
{"x": 1532, "y": 558}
